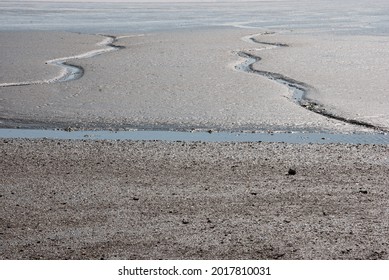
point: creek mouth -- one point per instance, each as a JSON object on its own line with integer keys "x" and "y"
{"x": 298, "y": 89}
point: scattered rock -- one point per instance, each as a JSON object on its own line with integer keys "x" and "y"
{"x": 363, "y": 191}
{"x": 253, "y": 193}
{"x": 135, "y": 198}
{"x": 185, "y": 222}
{"x": 291, "y": 171}
{"x": 377, "y": 255}
{"x": 278, "y": 256}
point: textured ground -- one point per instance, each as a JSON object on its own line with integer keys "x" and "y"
{"x": 348, "y": 73}
{"x": 155, "y": 200}
{"x": 187, "y": 80}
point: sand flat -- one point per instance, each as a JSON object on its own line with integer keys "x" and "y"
{"x": 24, "y": 53}
{"x": 179, "y": 80}
{"x": 348, "y": 73}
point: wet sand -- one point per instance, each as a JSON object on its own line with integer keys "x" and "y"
{"x": 347, "y": 73}
{"x": 156, "y": 200}
{"x": 184, "y": 80}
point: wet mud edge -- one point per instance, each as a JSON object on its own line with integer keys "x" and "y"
{"x": 294, "y": 85}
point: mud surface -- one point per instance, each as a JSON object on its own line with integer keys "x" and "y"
{"x": 157, "y": 200}
{"x": 174, "y": 80}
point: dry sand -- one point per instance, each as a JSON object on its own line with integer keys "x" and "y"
{"x": 155, "y": 200}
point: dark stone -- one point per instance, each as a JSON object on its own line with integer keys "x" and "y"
{"x": 291, "y": 171}
{"x": 363, "y": 191}
{"x": 185, "y": 222}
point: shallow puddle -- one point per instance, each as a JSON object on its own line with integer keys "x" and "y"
{"x": 197, "y": 136}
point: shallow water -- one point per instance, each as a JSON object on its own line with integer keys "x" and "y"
{"x": 197, "y": 136}
{"x": 346, "y": 17}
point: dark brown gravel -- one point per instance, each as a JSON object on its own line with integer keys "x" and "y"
{"x": 156, "y": 200}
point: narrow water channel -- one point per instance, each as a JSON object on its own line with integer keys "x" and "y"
{"x": 196, "y": 136}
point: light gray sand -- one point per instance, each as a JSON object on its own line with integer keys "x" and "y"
{"x": 23, "y": 54}
{"x": 348, "y": 73}
{"x": 185, "y": 80}
{"x": 155, "y": 200}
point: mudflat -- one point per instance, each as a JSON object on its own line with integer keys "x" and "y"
{"x": 188, "y": 79}
{"x": 85, "y": 199}
{"x": 160, "y": 200}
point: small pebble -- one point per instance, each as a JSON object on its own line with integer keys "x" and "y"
{"x": 291, "y": 171}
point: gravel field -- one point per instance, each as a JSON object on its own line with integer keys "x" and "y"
{"x": 161, "y": 200}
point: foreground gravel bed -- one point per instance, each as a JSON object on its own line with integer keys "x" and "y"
{"x": 157, "y": 200}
